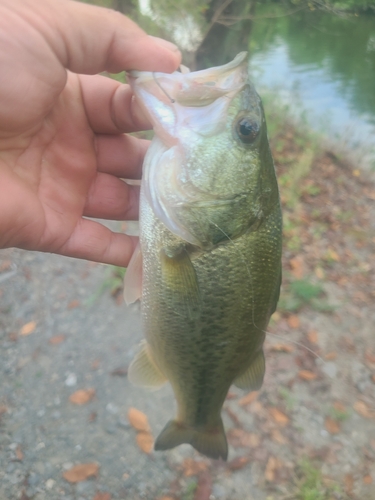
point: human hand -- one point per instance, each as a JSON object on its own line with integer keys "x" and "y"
{"x": 62, "y": 147}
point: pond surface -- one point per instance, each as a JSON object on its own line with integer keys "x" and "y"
{"x": 321, "y": 63}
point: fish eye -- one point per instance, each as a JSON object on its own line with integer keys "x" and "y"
{"x": 247, "y": 129}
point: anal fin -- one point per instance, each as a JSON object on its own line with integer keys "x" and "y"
{"x": 143, "y": 371}
{"x": 252, "y": 378}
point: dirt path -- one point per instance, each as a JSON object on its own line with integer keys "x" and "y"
{"x": 308, "y": 434}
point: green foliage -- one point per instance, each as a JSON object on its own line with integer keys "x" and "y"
{"x": 289, "y": 400}
{"x": 311, "y": 484}
{"x": 301, "y": 293}
{"x": 113, "y": 283}
{"x": 189, "y": 492}
{"x": 340, "y": 415}
{"x": 305, "y": 290}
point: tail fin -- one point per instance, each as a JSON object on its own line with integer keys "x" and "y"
{"x": 210, "y": 441}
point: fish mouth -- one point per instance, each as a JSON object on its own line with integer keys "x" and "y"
{"x": 195, "y": 89}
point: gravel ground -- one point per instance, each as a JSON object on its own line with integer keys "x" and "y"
{"x": 42, "y": 433}
{"x": 310, "y": 428}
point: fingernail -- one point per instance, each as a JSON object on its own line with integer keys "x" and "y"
{"x": 164, "y": 43}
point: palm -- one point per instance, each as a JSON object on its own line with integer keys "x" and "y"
{"x": 62, "y": 148}
{"x": 58, "y": 164}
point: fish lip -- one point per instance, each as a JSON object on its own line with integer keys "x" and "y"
{"x": 149, "y": 75}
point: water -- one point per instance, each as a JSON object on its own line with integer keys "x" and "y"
{"x": 329, "y": 62}
{"x": 321, "y": 63}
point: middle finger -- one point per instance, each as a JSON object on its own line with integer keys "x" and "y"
{"x": 121, "y": 155}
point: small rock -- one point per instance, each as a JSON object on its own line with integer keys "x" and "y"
{"x": 33, "y": 479}
{"x": 218, "y": 491}
{"x": 50, "y": 483}
{"x": 86, "y": 488}
{"x": 111, "y": 408}
{"x": 110, "y": 428}
{"x": 124, "y": 423}
{"x": 71, "y": 380}
{"x": 330, "y": 369}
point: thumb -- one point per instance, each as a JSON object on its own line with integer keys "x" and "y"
{"x": 89, "y": 39}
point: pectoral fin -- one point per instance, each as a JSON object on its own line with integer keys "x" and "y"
{"x": 252, "y": 379}
{"x": 180, "y": 283}
{"x": 144, "y": 372}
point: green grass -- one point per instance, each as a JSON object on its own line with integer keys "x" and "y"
{"x": 189, "y": 492}
{"x": 300, "y": 293}
{"x": 311, "y": 484}
{"x": 113, "y": 283}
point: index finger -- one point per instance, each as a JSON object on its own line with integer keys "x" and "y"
{"x": 89, "y": 39}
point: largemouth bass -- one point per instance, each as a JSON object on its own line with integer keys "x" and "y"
{"x": 210, "y": 246}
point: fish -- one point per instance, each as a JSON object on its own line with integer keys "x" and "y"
{"x": 208, "y": 266}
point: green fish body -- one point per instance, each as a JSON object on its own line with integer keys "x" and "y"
{"x": 210, "y": 246}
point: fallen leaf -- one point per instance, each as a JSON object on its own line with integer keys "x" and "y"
{"x": 82, "y": 396}
{"x": 233, "y": 416}
{"x": 293, "y": 321}
{"x": 28, "y": 328}
{"x": 363, "y": 410}
{"x": 93, "y": 416}
{"x": 249, "y": 398}
{"x": 370, "y": 357}
{"x": 73, "y": 304}
{"x": 57, "y": 339}
{"x": 81, "y": 472}
{"x": 319, "y": 273}
{"x": 238, "y": 463}
{"x": 95, "y": 364}
{"x": 204, "y": 488}
{"x": 313, "y": 336}
{"x": 297, "y": 266}
{"x": 5, "y": 265}
{"x": 138, "y": 420}
{"x": 239, "y": 438}
{"x": 367, "y": 479}
{"x": 102, "y": 496}
{"x": 279, "y": 417}
{"x": 278, "y": 437}
{"x": 332, "y": 255}
{"x": 19, "y": 453}
{"x": 193, "y": 468}
{"x": 330, "y": 356}
{"x": 282, "y": 347}
{"x": 339, "y": 406}
{"x": 349, "y": 483}
{"x": 271, "y": 467}
{"x": 145, "y": 441}
{"x": 332, "y": 426}
{"x": 120, "y": 372}
{"x": 3, "y": 409}
{"x": 307, "y": 375}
